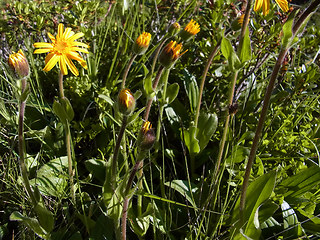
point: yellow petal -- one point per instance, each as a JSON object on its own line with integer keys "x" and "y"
{"x": 72, "y": 67}
{"x": 60, "y": 31}
{"x": 51, "y": 63}
{"x": 283, "y": 4}
{"x": 76, "y": 49}
{"x": 42, "y": 50}
{"x": 42, "y": 45}
{"x": 66, "y": 33}
{"x": 257, "y": 5}
{"x": 80, "y": 44}
{"x": 48, "y": 57}
{"x": 52, "y": 38}
{"x": 76, "y": 36}
{"x": 75, "y": 56}
{"x": 265, "y": 7}
{"x": 84, "y": 64}
{"x": 62, "y": 65}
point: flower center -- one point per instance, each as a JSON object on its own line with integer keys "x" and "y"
{"x": 60, "y": 46}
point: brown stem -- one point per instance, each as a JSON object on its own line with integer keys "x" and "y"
{"x": 150, "y": 100}
{"x": 23, "y": 168}
{"x": 203, "y": 79}
{"x": 125, "y": 74}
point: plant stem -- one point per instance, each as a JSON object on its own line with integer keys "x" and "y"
{"x": 157, "y": 54}
{"x": 150, "y": 100}
{"x": 226, "y": 125}
{"x": 127, "y": 199}
{"x": 125, "y": 73}
{"x": 116, "y": 152}
{"x": 203, "y": 79}
{"x": 23, "y": 168}
{"x": 68, "y": 141}
{"x": 266, "y": 103}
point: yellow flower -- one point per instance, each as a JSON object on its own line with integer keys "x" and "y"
{"x": 170, "y": 54}
{"x": 265, "y": 4}
{"x": 192, "y": 27}
{"x": 126, "y": 102}
{"x": 190, "y": 30}
{"x": 146, "y": 127}
{"x": 240, "y": 19}
{"x": 63, "y": 49}
{"x": 19, "y": 64}
{"x": 142, "y": 43}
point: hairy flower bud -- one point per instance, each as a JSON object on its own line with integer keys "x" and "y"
{"x": 126, "y": 102}
{"x": 174, "y": 29}
{"x": 170, "y": 54}
{"x": 147, "y": 136}
{"x": 19, "y": 64}
{"x": 237, "y": 23}
{"x": 142, "y": 43}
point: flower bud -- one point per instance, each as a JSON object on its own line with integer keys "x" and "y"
{"x": 174, "y": 29}
{"x": 19, "y": 64}
{"x": 148, "y": 136}
{"x": 126, "y": 102}
{"x": 190, "y": 30}
{"x": 237, "y": 23}
{"x": 142, "y": 43}
{"x": 170, "y": 54}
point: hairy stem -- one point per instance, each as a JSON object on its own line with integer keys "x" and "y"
{"x": 23, "y": 168}
{"x": 125, "y": 73}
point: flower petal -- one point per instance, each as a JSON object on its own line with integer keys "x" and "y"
{"x": 75, "y": 56}
{"x": 265, "y": 7}
{"x": 42, "y": 45}
{"x": 80, "y": 44}
{"x": 60, "y": 31}
{"x": 67, "y": 33}
{"x": 76, "y": 49}
{"x": 52, "y": 38}
{"x": 283, "y": 4}
{"x": 76, "y": 36}
{"x": 257, "y": 5}
{"x": 62, "y": 65}
{"x": 51, "y": 63}
{"x": 71, "y": 66}
{"x": 42, "y": 50}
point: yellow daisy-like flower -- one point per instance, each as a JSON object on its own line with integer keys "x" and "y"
{"x": 19, "y": 64}
{"x": 142, "y": 43}
{"x": 265, "y": 4}
{"x": 63, "y": 49}
{"x": 170, "y": 54}
{"x": 192, "y": 27}
{"x": 144, "y": 39}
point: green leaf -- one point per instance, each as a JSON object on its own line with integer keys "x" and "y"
{"x": 63, "y": 110}
{"x": 245, "y": 54}
{"x": 304, "y": 181}
{"x": 97, "y": 168}
{"x": 172, "y": 92}
{"x": 191, "y": 88}
{"x": 183, "y": 187}
{"x": 45, "y": 217}
{"x": 192, "y": 143}
{"x": 107, "y": 99}
{"x": 238, "y": 155}
{"x": 207, "y": 126}
{"x": 287, "y": 32}
{"x": 258, "y": 192}
{"x": 147, "y": 84}
{"x": 229, "y": 53}
{"x": 134, "y": 116}
{"x": 31, "y": 223}
{"x": 52, "y": 177}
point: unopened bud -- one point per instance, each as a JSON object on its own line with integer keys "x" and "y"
{"x": 174, "y": 29}
{"x": 19, "y": 64}
{"x": 170, "y": 54}
{"x": 147, "y": 136}
{"x": 126, "y": 102}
